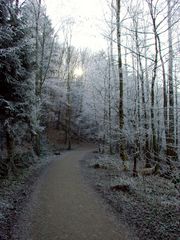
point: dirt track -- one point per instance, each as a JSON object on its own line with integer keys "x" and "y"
{"x": 64, "y": 207}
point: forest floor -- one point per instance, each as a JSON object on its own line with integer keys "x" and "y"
{"x": 150, "y": 205}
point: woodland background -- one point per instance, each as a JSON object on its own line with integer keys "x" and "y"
{"x": 124, "y": 98}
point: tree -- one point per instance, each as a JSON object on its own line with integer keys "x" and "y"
{"x": 42, "y": 37}
{"x": 16, "y": 97}
{"x": 171, "y": 150}
{"x": 123, "y": 155}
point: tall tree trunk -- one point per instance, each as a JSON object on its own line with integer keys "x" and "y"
{"x": 37, "y": 147}
{"x": 177, "y": 117}
{"x": 171, "y": 151}
{"x": 17, "y": 7}
{"x": 123, "y": 154}
{"x": 109, "y": 104}
{"x": 104, "y": 117}
{"x": 10, "y": 149}
{"x": 165, "y": 99}
{"x": 140, "y": 74}
{"x": 37, "y": 80}
{"x": 154, "y": 75}
{"x": 68, "y": 116}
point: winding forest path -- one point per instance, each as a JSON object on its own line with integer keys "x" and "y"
{"x": 64, "y": 207}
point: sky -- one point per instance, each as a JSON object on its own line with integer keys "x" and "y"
{"x": 88, "y": 16}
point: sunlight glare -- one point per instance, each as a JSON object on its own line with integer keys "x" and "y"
{"x": 78, "y": 72}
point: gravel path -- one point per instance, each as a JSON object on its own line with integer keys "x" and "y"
{"x": 62, "y": 207}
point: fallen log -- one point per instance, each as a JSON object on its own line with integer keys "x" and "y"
{"x": 123, "y": 188}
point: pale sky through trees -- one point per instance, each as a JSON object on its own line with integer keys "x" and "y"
{"x": 88, "y": 17}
